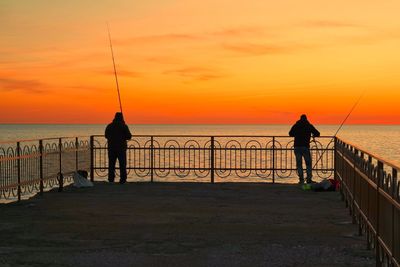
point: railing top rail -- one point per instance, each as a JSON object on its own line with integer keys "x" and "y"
{"x": 386, "y": 162}
{"x": 149, "y": 135}
{"x": 43, "y": 139}
{"x": 210, "y": 135}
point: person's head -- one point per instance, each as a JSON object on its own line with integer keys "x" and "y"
{"x": 303, "y": 117}
{"x": 118, "y": 117}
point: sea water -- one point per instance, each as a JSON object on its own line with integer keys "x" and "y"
{"x": 380, "y": 140}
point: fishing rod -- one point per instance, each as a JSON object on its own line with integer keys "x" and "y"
{"x": 115, "y": 70}
{"x": 340, "y": 127}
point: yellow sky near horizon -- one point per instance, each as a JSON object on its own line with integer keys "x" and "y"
{"x": 199, "y": 61}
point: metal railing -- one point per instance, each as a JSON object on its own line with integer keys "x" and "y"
{"x": 369, "y": 184}
{"x": 370, "y": 188}
{"x": 212, "y": 158}
{"x": 28, "y": 167}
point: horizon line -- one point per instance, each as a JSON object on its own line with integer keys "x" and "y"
{"x": 61, "y": 123}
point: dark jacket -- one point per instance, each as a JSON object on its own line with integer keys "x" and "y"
{"x": 301, "y": 132}
{"x": 117, "y": 133}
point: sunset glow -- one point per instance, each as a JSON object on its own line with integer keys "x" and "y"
{"x": 200, "y": 61}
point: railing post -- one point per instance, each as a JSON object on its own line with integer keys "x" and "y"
{"x": 378, "y": 184}
{"x": 394, "y": 186}
{"x": 60, "y": 175}
{"x": 368, "y": 200}
{"x": 334, "y": 159}
{"x": 212, "y": 159}
{"x": 361, "y": 198}
{"x": 92, "y": 158}
{"x": 19, "y": 170}
{"x": 394, "y": 182}
{"x": 76, "y": 153}
{"x": 152, "y": 159}
{"x": 355, "y": 153}
{"x": 41, "y": 167}
{"x": 340, "y": 148}
{"x": 369, "y": 167}
{"x": 273, "y": 159}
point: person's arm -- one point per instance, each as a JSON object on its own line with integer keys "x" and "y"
{"x": 292, "y": 131}
{"x": 107, "y": 132}
{"x": 128, "y": 134}
{"x": 314, "y": 131}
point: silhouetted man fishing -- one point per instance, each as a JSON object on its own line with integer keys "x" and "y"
{"x": 302, "y": 131}
{"x": 117, "y": 133}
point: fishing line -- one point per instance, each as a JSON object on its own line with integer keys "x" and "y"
{"x": 115, "y": 70}
{"x": 340, "y": 127}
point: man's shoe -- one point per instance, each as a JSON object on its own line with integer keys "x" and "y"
{"x": 306, "y": 187}
{"x": 122, "y": 181}
{"x": 110, "y": 181}
{"x": 309, "y": 181}
{"x": 301, "y": 182}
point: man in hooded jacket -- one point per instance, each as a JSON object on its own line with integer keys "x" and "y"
{"x": 302, "y": 131}
{"x": 117, "y": 134}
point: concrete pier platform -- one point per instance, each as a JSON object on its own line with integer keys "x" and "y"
{"x": 181, "y": 224}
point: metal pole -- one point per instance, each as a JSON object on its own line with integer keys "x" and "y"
{"x": 19, "y": 170}
{"x": 355, "y": 152}
{"x": 361, "y": 198}
{"x": 380, "y": 176}
{"x": 368, "y": 202}
{"x": 41, "y": 166}
{"x": 152, "y": 158}
{"x": 212, "y": 159}
{"x": 273, "y": 159}
{"x": 341, "y": 169}
{"x": 92, "y": 158}
{"x": 334, "y": 159}
{"x": 60, "y": 175}
{"x": 394, "y": 182}
{"x": 76, "y": 153}
{"x": 394, "y": 185}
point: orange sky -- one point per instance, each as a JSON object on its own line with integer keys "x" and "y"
{"x": 200, "y": 61}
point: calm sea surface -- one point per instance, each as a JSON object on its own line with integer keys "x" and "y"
{"x": 381, "y": 140}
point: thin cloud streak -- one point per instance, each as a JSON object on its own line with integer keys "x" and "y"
{"x": 196, "y": 73}
{"x": 373, "y": 37}
{"x": 28, "y": 86}
{"x": 330, "y": 24}
{"x": 125, "y": 73}
{"x": 239, "y": 32}
{"x": 163, "y": 60}
{"x": 156, "y": 39}
{"x": 261, "y": 49}
{"x": 233, "y": 32}
{"x": 193, "y": 37}
{"x": 61, "y": 60}
{"x": 87, "y": 88}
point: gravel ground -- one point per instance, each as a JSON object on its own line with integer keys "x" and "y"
{"x": 181, "y": 224}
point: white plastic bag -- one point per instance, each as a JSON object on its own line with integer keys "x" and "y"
{"x": 80, "y": 181}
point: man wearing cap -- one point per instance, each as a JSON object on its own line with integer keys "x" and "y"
{"x": 302, "y": 131}
{"x": 117, "y": 134}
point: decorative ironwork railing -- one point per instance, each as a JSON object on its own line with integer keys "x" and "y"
{"x": 212, "y": 158}
{"x": 371, "y": 190}
{"x": 31, "y": 166}
{"x": 369, "y": 185}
